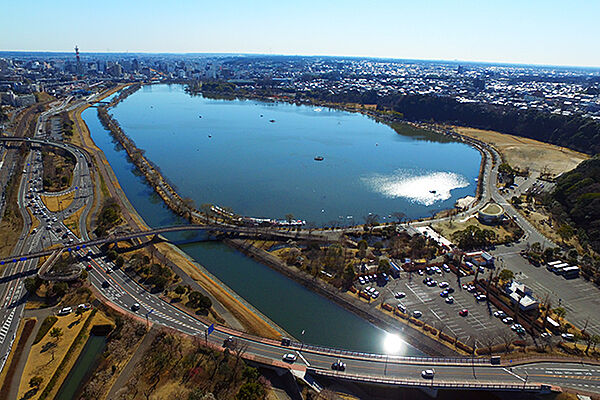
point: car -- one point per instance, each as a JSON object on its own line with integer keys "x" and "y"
{"x": 417, "y": 314}
{"x": 464, "y": 312}
{"x": 367, "y": 289}
{"x": 420, "y": 272}
{"x": 444, "y": 293}
{"x": 450, "y": 290}
{"x": 135, "y": 307}
{"x": 229, "y": 342}
{"x": 568, "y": 337}
{"x": 84, "y": 307}
{"x": 109, "y": 270}
{"x": 289, "y": 357}
{"x": 401, "y": 307}
{"x": 426, "y": 280}
{"x": 443, "y": 284}
{"x": 471, "y": 289}
{"x": 499, "y": 314}
{"x": 432, "y": 283}
{"x": 507, "y": 320}
{"x": 481, "y": 297}
{"x": 514, "y": 327}
{"x": 338, "y": 366}
{"x": 65, "y": 311}
{"x": 400, "y": 295}
{"x": 286, "y": 342}
{"x": 361, "y": 280}
{"x": 428, "y": 373}
{"x": 375, "y": 294}
{"x": 520, "y": 331}
{"x": 446, "y": 268}
{"x": 545, "y": 335}
{"x": 449, "y": 300}
{"x": 465, "y": 286}
{"x": 105, "y": 284}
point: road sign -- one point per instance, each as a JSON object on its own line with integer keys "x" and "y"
{"x": 210, "y": 329}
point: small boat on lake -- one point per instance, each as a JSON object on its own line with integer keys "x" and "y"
{"x": 319, "y": 158}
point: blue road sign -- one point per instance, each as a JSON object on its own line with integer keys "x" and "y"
{"x": 210, "y": 329}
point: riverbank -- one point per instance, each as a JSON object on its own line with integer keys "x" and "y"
{"x": 107, "y": 185}
{"x": 345, "y": 300}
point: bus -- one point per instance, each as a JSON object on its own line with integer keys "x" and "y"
{"x": 570, "y": 272}
{"x": 559, "y": 267}
{"x": 552, "y": 264}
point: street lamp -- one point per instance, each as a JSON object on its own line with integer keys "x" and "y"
{"x": 302, "y": 340}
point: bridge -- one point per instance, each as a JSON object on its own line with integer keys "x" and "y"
{"x": 213, "y": 229}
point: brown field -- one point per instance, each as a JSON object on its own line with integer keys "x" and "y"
{"x": 57, "y": 203}
{"x": 524, "y": 153}
{"x": 72, "y": 221}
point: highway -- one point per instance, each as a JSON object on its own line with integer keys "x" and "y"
{"x": 121, "y": 292}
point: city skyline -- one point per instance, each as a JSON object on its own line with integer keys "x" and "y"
{"x": 462, "y": 31}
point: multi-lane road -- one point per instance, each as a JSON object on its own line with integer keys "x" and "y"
{"x": 122, "y": 292}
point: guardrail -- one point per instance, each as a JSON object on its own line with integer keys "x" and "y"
{"x": 433, "y": 383}
{"x": 392, "y": 358}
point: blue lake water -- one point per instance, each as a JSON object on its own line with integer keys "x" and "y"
{"x": 229, "y": 153}
{"x": 264, "y": 168}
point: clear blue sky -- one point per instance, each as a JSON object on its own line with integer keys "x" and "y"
{"x": 565, "y": 32}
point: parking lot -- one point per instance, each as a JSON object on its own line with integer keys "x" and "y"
{"x": 479, "y": 324}
{"x": 580, "y": 298}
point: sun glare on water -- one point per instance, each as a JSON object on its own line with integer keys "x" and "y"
{"x": 423, "y": 189}
{"x": 393, "y": 344}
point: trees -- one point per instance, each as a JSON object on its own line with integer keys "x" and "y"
{"x": 56, "y": 333}
{"x": 383, "y": 266}
{"x": 400, "y": 216}
{"x": 35, "y": 382}
{"x": 506, "y": 275}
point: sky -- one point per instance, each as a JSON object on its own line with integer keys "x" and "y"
{"x": 549, "y": 32}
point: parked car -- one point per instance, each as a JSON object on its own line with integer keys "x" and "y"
{"x": 449, "y": 300}
{"x": 105, "y": 284}
{"x": 65, "y": 311}
{"x": 508, "y": 320}
{"x": 400, "y": 295}
{"x": 338, "y": 366}
{"x": 464, "y": 312}
{"x": 417, "y": 314}
{"x": 568, "y": 337}
{"x": 289, "y": 357}
{"x": 375, "y": 294}
{"x": 428, "y": 373}
{"x": 545, "y": 335}
{"x": 401, "y": 307}
{"x": 84, "y": 306}
{"x": 135, "y": 307}
{"x": 444, "y": 293}
{"x": 499, "y": 314}
{"x": 443, "y": 284}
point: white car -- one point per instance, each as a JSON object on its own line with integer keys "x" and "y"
{"x": 400, "y": 295}
{"x": 428, "y": 373}
{"x": 289, "y": 357}
{"x": 507, "y": 320}
{"x": 500, "y": 314}
{"x": 568, "y": 337}
{"x": 449, "y": 300}
{"x": 417, "y": 314}
{"x": 444, "y": 285}
{"x": 65, "y": 311}
{"x": 375, "y": 294}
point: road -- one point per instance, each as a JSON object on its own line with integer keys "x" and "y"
{"x": 122, "y": 292}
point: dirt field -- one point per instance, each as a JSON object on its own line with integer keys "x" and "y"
{"x": 527, "y": 153}
{"x": 57, "y": 203}
{"x": 72, "y": 221}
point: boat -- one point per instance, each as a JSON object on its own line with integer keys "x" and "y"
{"x": 271, "y": 120}
{"x": 433, "y": 191}
{"x": 209, "y": 136}
{"x": 319, "y": 158}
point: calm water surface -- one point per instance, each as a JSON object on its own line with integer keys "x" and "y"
{"x": 367, "y": 168}
{"x": 229, "y": 153}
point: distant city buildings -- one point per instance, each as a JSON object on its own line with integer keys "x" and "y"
{"x": 557, "y": 90}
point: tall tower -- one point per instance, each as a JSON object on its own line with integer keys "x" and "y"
{"x": 78, "y": 61}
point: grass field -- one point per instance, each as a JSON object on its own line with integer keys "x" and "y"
{"x": 447, "y": 229}
{"x": 57, "y": 203}
{"x": 524, "y": 153}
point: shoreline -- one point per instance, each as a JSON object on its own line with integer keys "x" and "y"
{"x": 252, "y": 320}
{"x": 154, "y": 178}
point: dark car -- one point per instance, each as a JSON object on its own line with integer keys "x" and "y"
{"x": 105, "y": 284}
{"x": 338, "y": 366}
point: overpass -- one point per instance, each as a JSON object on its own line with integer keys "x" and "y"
{"x": 214, "y": 229}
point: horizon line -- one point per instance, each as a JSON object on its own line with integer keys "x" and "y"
{"x": 455, "y": 61}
